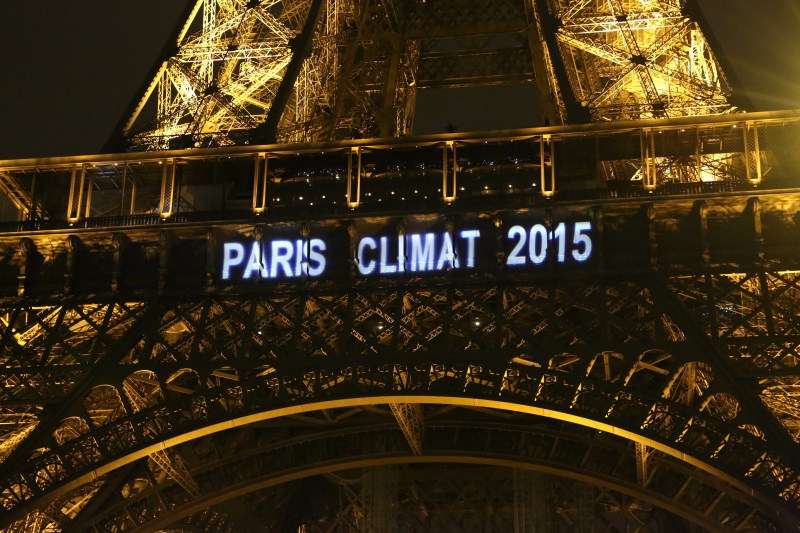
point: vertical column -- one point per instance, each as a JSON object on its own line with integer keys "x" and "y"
{"x": 648, "y": 153}
{"x": 165, "y": 246}
{"x": 167, "y": 187}
{"x": 547, "y": 164}
{"x": 584, "y": 508}
{"x": 642, "y": 462}
{"x": 133, "y": 195}
{"x": 649, "y": 213}
{"x": 88, "y": 203}
{"x": 380, "y": 489}
{"x": 28, "y": 253}
{"x": 72, "y": 246}
{"x": 752, "y": 153}
{"x": 449, "y": 172}
{"x": 698, "y": 154}
{"x": 76, "y": 192}
{"x": 120, "y": 241}
{"x": 260, "y": 174}
{"x": 354, "y": 177}
{"x": 532, "y": 502}
{"x": 702, "y": 230}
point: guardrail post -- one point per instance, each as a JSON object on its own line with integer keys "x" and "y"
{"x": 260, "y": 174}
{"x": 88, "y": 201}
{"x": 752, "y": 153}
{"x": 77, "y": 179}
{"x": 648, "y": 152}
{"x": 354, "y": 178}
{"x": 133, "y": 195}
{"x": 448, "y": 177}
{"x": 167, "y": 187}
{"x": 547, "y": 166}
{"x": 698, "y": 154}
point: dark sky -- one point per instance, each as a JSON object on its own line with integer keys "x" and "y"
{"x": 69, "y": 69}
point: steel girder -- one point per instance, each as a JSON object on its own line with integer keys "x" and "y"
{"x": 266, "y": 457}
{"x": 331, "y": 68}
{"x": 603, "y": 355}
{"x": 522, "y": 168}
{"x": 238, "y": 64}
{"x": 681, "y": 339}
{"x": 628, "y": 59}
{"x": 303, "y": 70}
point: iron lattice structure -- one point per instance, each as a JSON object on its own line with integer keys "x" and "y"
{"x": 653, "y": 387}
{"x": 306, "y": 70}
{"x": 643, "y": 379}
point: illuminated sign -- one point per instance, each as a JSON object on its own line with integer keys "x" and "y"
{"x": 275, "y": 259}
{"x": 427, "y": 252}
{"x": 425, "y": 248}
{"x": 540, "y": 241}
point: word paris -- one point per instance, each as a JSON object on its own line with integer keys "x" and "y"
{"x": 428, "y": 252}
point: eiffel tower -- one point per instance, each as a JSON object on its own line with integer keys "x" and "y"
{"x": 271, "y": 307}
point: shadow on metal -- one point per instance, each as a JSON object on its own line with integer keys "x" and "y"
{"x": 541, "y": 447}
{"x": 715, "y": 446}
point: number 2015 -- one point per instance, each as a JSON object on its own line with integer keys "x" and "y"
{"x": 539, "y": 240}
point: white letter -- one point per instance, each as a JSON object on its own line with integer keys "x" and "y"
{"x": 537, "y": 246}
{"x": 281, "y": 254}
{"x": 401, "y": 253}
{"x": 256, "y": 262}
{"x": 422, "y": 256}
{"x": 386, "y": 268}
{"x": 446, "y": 255}
{"x": 582, "y": 239}
{"x": 560, "y": 234}
{"x": 365, "y": 268}
{"x": 315, "y": 247}
{"x": 470, "y": 235}
{"x": 514, "y": 258}
{"x": 299, "y": 258}
{"x": 233, "y": 255}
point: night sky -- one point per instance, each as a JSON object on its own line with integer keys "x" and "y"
{"x": 69, "y": 69}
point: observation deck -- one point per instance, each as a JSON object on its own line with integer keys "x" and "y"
{"x": 502, "y": 169}
{"x": 497, "y": 270}
{"x": 685, "y": 191}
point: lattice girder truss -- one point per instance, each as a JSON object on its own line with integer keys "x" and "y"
{"x": 272, "y": 457}
{"x": 681, "y": 338}
{"x": 225, "y": 74}
{"x": 355, "y": 72}
{"x": 233, "y": 56}
{"x": 358, "y": 76}
{"x": 628, "y": 60}
{"x": 638, "y": 59}
{"x": 614, "y": 354}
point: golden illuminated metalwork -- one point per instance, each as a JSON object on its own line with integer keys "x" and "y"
{"x": 655, "y": 356}
{"x": 233, "y": 56}
{"x": 631, "y": 59}
{"x": 634, "y": 59}
{"x": 652, "y": 387}
{"x": 250, "y": 72}
{"x": 360, "y": 63}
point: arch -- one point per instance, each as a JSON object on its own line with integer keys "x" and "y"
{"x": 454, "y": 441}
{"x": 183, "y": 381}
{"x": 143, "y": 389}
{"x": 722, "y": 405}
{"x": 70, "y": 428}
{"x": 701, "y": 440}
{"x": 104, "y": 405}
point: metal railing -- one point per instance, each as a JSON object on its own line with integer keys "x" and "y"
{"x": 691, "y": 155}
